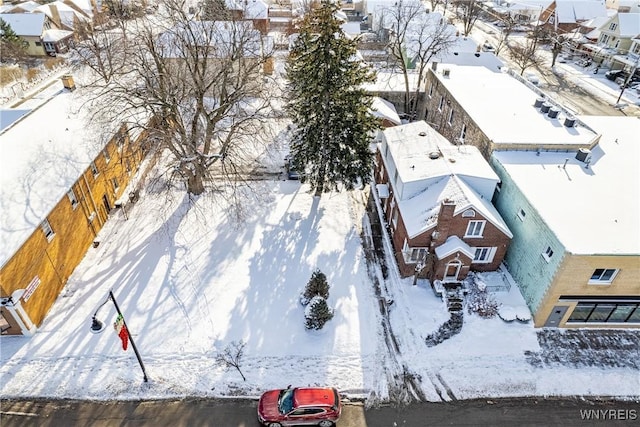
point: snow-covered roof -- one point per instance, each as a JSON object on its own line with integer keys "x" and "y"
{"x": 81, "y": 5}
{"x": 26, "y": 6}
{"x": 629, "y": 24}
{"x": 255, "y": 9}
{"x": 25, "y": 24}
{"x": 67, "y": 14}
{"x": 575, "y": 201}
{"x": 433, "y": 180}
{"x": 451, "y": 245}
{"x": 46, "y": 146}
{"x": 574, "y": 11}
{"x": 484, "y": 59}
{"x": 56, "y": 35}
{"x": 503, "y": 108}
{"x": 351, "y": 28}
{"x": 392, "y": 82}
{"x": 383, "y": 109}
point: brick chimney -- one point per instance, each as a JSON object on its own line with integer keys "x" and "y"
{"x": 445, "y": 216}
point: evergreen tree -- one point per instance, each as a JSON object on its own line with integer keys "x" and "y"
{"x": 330, "y": 109}
{"x": 317, "y": 285}
{"x": 12, "y": 47}
{"x": 317, "y": 313}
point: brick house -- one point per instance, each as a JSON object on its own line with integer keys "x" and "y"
{"x": 436, "y": 199}
{"x": 61, "y": 180}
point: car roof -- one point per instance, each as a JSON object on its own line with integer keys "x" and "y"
{"x": 314, "y": 396}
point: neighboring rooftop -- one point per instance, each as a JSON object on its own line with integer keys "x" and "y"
{"x": 46, "y": 145}
{"x": 594, "y": 209}
{"x": 503, "y": 108}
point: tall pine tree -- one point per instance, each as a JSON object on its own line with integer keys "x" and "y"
{"x": 330, "y": 109}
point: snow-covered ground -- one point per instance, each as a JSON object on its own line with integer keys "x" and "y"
{"x": 192, "y": 281}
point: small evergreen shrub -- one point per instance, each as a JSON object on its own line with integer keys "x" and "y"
{"x": 481, "y": 302}
{"x": 317, "y": 313}
{"x": 317, "y": 285}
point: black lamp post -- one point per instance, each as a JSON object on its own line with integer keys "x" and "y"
{"x": 97, "y": 326}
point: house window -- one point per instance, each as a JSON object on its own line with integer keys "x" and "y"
{"x": 418, "y": 254}
{"x": 548, "y": 254}
{"x": 94, "y": 169}
{"x": 105, "y": 153}
{"x": 463, "y": 133}
{"x": 522, "y": 214}
{"x": 116, "y": 184}
{"x": 47, "y": 230}
{"x": 441, "y": 103}
{"x": 395, "y": 219}
{"x": 469, "y": 213}
{"x": 483, "y": 255}
{"x": 38, "y": 43}
{"x": 450, "y": 120}
{"x": 72, "y": 198}
{"x": 613, "y": 26}
{"x": 603, "y": 276}
{"x": 431, "y": 90}
{"x": 475, "y": 229}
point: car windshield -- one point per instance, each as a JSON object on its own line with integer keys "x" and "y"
{"x": 285, "y": 401}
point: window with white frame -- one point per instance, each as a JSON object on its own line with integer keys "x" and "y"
{"x": 469, "y": 213}
{"x": 547, "y": 254}
{"x": 450, "y": 119}
{"x": 106, "y": 155}
{"x": 94, "y": 169}
{"x": 47, "y": 230}
{"x": 414, "y": 255}
{"x": 522, "y": 214}
{"x": 613, "y": 26}
{"x": 116, "y": 184}
{"x": 484, "y": 255}
{"x": 441, "y": 103}
{"x": 431, "y": 90}
{"x": 603, "y": 276}
{"x": 72, "y": 198}
{"x": 475, "y": 229}
{"x": 395, "y": 219}
{"x": 381, "y": 172}
{"x": 463, "y": 133}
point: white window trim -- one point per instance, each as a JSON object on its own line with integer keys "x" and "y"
{"x": 49, "y": 234}
{"x": 394, "y": 218}
{"x": 450, "y": 119}
{"x": 480, "y": 234}
{"x": 441, "y": 104}
{"x": 546, "y": 255}
{"x": 94, "y": 169}
{"x": 604, "y": 282}
{"x": 72, "y": 198}
{"x": 469, "y": 213}
{"x": 106, "y": 155}
{"x": 522, "y": 214}
{"x": 490, "y": 254}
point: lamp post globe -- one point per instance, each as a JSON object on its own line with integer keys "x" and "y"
{"x": 97, "y": 326}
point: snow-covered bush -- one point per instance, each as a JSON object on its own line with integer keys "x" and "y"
{"x": 317, "y": 285}
{"x": 481, "y": 302}
{"x": 317, "y": 313}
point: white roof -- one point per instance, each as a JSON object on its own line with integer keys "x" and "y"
{"x": 445, "y": 177}
{"x": 392, "y": 82}
{"x": 67, "y": 14}
{"x": 42, "y": 156}
{"x": 483, "y": 59}
{"x": 629, "y": 24}
{"x": 383, "y": 109}
{"x": 25, "y": 24}
{"x": 56, "y": 35}
{"x": 451, "y": 245}
{"x": 27, "y": 6}
{"x": 574, "y": 11}
{"x": 503, "y": 108}
{"x": 594, "y": 210}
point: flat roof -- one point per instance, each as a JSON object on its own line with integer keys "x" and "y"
{"x": 46, "y": 145}
{"x": 503, "y": 108}
{"x": 594, "y": 210}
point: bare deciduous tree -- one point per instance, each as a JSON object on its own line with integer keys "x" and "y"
{"x": 525, "y": 55}
{"x": 202, "y": 83}
{"x": 416, "y": 37}
{"x": 231, "y": 356}
{"x": 468, "y": 12}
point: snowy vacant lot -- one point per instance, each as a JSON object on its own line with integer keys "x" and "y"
{"x": 191, "y": 281}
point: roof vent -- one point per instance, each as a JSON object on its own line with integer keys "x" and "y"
{"x": 434, "y": 155}
{"x": 538, "y": 102}
{"x": 446, "y": 72}
{"x": 584, "y": 155}
{"x": 553, "y": 113}
{"x": 545, "y": 108}
{"x": 422, "y": 133}
{"x": 569, "y": 121}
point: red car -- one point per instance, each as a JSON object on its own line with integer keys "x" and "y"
{"x": 316, "y": 406}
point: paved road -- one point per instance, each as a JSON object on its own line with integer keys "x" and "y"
{"x": 241, "y": 413}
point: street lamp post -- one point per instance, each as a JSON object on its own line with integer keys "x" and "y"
{"x": 97, "y": 326}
